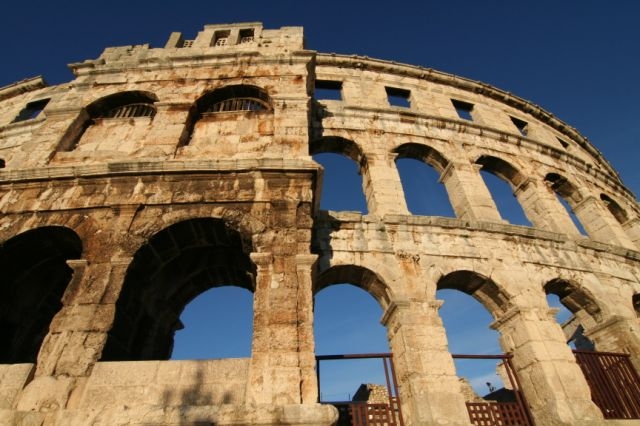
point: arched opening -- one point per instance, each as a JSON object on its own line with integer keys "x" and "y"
{"x": 175, "y": 266}
{"x": 420, "y": 168}
{"x": 487, "y": 377}
{"x": 236, "y": 98}
{"x": 35, "y": 277}
{"x": 635, "y": 300}
{"x": 347, "y": 310}
{"x": 567, "y": 195}
{"x": 616, "y": 210}
{"x": 613, "y": 383}
{"x": 106, "y": 117}
{"x": 220, "y": 314}
{"x": 343, "y": 188}
{"x": 227, "y": 104}
{"x": 502, "y": 179}
{"x": 577, "y": 310}
{"x": 570, "y": 324}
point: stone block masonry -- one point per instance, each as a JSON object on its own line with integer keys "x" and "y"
{"x": 159, "y": 173}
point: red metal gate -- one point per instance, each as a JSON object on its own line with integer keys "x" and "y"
{"x": 500, "y": 413}
{"x": 354, "y": 413}
{"x": 614, "y": 383}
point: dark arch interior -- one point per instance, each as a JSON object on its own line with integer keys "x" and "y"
{"x": 575, "y": 299}
{"x": 102, "y": 107}
{"x": 564, "y": 188}
{"x": 35, "y": 276}
{"x": 176, "y": 265}
{"x": 235, "y": 98}
{"x": 615, "y": 209}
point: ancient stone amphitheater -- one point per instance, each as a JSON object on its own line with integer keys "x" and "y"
{"x": 159, "y": 173}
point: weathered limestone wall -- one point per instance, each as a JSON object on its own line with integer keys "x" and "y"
{"x": 13, "y": 378}
{"x": 166, "y": 383}
{"x": 112, "y": 224}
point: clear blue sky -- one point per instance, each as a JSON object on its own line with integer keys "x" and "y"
{"x": 579, "y": 59}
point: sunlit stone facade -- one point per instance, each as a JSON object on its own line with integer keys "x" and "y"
{"x": 158, "y": 173}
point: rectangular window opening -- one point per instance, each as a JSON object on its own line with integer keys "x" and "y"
{"x": 564, "y": 144}
{"x": 521, "y": 125}
{"x": 328, "y": 90}
{"x": 187, "y": 43}
{"x": 463, "y": 109}
{"x": 245, "y": 36}
{"x": 221, "y": 38}
{"x": 398, "y": 97}
{"x": 32, "y": 110}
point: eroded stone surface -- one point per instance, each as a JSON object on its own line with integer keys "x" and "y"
{"x": 158, "y": 173}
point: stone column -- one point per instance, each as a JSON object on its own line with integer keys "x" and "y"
{"x": 382, "y": 186}
{"x": 469, "y": 196}
{"x": 306, "y": 348}
{"x": 77, "y": 333}
{"x": 274, "y": 373}
{"x": 543, "y": 208}
{"x": 600, "y": 223}
{"x": 632, "y": 228}
{"x": 430, "y": 391}
{"x": 282, "y": 370}
{"x": 551, "y": 380}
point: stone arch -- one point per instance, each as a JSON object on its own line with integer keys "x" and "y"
{"x": 423, "y": 153}
{"x": 569, "y": 195}
{"x": 172, "y": 268}
{"x": 359, "y": 276}
{"x": 237, "y": 98}
{"x": 149, "y": 222}
{"x": 338, "y": 145}
{"x": 112, "y": 106}
{"x": 575, "y": 297}
{"x": 127, "y": 104}
{"x": 486, "y": 291}
{"x": 502, "y": 169}
{"x": 352, "y": 151}
{"x": 514, "y": 212}
{"x": 421, "y": 182}
{"x": 582, "y": 304}
{"x": 616, "y": 210}
{"x": 564, "y": 188}
{"x": 35, "y": 277}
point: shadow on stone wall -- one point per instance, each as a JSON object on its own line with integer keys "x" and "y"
{"x": 181, "y": 404}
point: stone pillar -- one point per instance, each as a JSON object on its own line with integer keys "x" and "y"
{"x": 600, "y": 223}
{"x": 306, "y": 349}
{"x": 382, "y": 186}
{"x": 632, "y": 228}
{"x": 77, "y": 333}
{"x": 469, "y": 196}
{"x": 617, "y": 334}
{"x": 275, "y": 371}
{"x": 551, "y": 380}
{"x": 430, "y": 391}
{"x": 543, "y": 208}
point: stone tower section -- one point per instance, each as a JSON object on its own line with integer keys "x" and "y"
{"x": 159, "y": 173}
